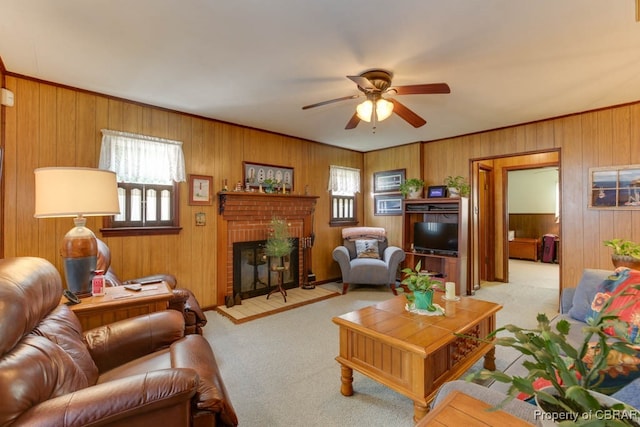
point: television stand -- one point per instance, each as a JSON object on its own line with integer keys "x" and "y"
{"x": 452, "y": 266}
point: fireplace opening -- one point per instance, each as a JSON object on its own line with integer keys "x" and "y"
{"x": 252, "y": 274}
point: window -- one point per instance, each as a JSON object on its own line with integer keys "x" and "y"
{"x": 344, "y": 183}
{"x": 148, "y": 171}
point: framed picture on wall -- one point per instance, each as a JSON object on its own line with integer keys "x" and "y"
{"x": 255, "y": 175}
{"x": 616, "y": 187}
{"x": 387, "y": 204}
{"x": 200, "y": 190}
{"x": 388, "y": 181}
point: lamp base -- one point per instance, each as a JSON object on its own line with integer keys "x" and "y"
{"x": 80, "y": 253}
{"x": 79, "y": 272}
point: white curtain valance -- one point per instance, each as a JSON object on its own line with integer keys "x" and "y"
{"x": 344, "y": 180}
{"x": 142, "y": 159}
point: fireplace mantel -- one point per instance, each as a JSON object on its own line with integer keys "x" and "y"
{"x": 246, "y": 216}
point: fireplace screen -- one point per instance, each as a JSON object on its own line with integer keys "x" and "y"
{"x": 252, "y": 274}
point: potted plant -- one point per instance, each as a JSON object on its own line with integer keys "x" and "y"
{"x": 412, "y": 188}
{"x": 625, "y": 253}
{"x": 269, "y": 185}
{"x": 422, "y": 285}
{"x": 574, "y": 373}
{"x": 278, "y": 244}
{"x": 457, "y": 186}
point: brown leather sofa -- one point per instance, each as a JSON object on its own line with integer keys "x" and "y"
{"x": 141, "y": 371}
{"x": 183, "y": 299}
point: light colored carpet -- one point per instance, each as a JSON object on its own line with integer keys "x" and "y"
{"x": 281, "y": 370}
{"x": 260, "y": 306}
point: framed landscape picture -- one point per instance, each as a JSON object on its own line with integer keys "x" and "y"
{"x": 614, "y": 187}
{"x": 390, "y": 204}
{"x": 388, "y": 181}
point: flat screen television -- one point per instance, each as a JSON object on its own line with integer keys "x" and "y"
{"x": 436, "y": 238}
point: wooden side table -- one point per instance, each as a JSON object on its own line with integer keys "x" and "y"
{"x": 459, "y": 409}
{"x": 119, "y": 303}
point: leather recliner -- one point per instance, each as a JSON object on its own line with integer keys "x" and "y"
{"x": 135, "y": 372}
{"x": 183, "y": 299}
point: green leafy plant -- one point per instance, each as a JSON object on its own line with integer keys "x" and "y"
{"x": 269, "y": 185}
{"x": 550, "y": 356}
{"x": 411, "y": 185}
{"x": 459, "y": 183}
{"x": 279, "y": 243}
{"x": 418, "y": 281}
{"x": 624, "y": 247}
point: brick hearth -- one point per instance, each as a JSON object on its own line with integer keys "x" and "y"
{"x": 246, "y": 217}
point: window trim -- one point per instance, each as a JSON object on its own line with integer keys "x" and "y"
{"x": 338, "y": 222}
{"x": 109, "y": 230}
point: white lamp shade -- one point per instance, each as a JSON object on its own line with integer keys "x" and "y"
{"x": 71, "y": 191}
{"x": 364, "y": 110}
{"x": 384, "y": 109}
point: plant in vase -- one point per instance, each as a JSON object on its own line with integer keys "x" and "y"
{"x": 561, "y": 377}
{"x": 412, "y": 188}
{"x": 269, "y": 185}
{"x": 457, "y": 186}
{"x": 422, "y": 286}
{"x": 625, "y": 253}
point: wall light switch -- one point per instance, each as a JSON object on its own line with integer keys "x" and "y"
{"x": 7, "y": 97}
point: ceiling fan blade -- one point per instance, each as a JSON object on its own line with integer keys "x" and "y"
{"x": 363, "y": 82}
{"x": 422, "y": 89}
{"x": 353, "y": 121}
{"x": 409, "y": 116}
{"x": 331, "y": 101}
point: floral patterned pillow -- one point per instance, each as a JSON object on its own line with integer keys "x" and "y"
{"x": 626, "y": 305}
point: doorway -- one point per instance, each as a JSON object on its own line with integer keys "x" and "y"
{"x": 490, "y": 220}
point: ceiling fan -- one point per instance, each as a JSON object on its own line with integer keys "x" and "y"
{"x": 374, "y": 84}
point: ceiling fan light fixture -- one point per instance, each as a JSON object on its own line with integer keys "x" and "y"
{"x": 384, "y": 109}
{"x": 364, "y": 110}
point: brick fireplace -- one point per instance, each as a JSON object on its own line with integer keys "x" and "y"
{"x": 245, "y": 217}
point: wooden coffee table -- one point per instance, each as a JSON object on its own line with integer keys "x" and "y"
{"x": 460, "y": 409}
{"x": 411, "y": 353}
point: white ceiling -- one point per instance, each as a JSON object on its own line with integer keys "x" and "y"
{"x": 256, "y": 62}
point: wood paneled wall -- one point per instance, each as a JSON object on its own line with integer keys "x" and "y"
{"x": 2, "y": 119}
{"x": 407, "y": 157}
{"x": 533, "y": 225}
{"x": 600, "y": 138}
{"x": 58, "y": 126}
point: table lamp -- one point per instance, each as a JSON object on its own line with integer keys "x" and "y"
{"x": 76, "y": 192}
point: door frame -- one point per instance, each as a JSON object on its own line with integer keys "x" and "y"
{"x": 500, "y": 165}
